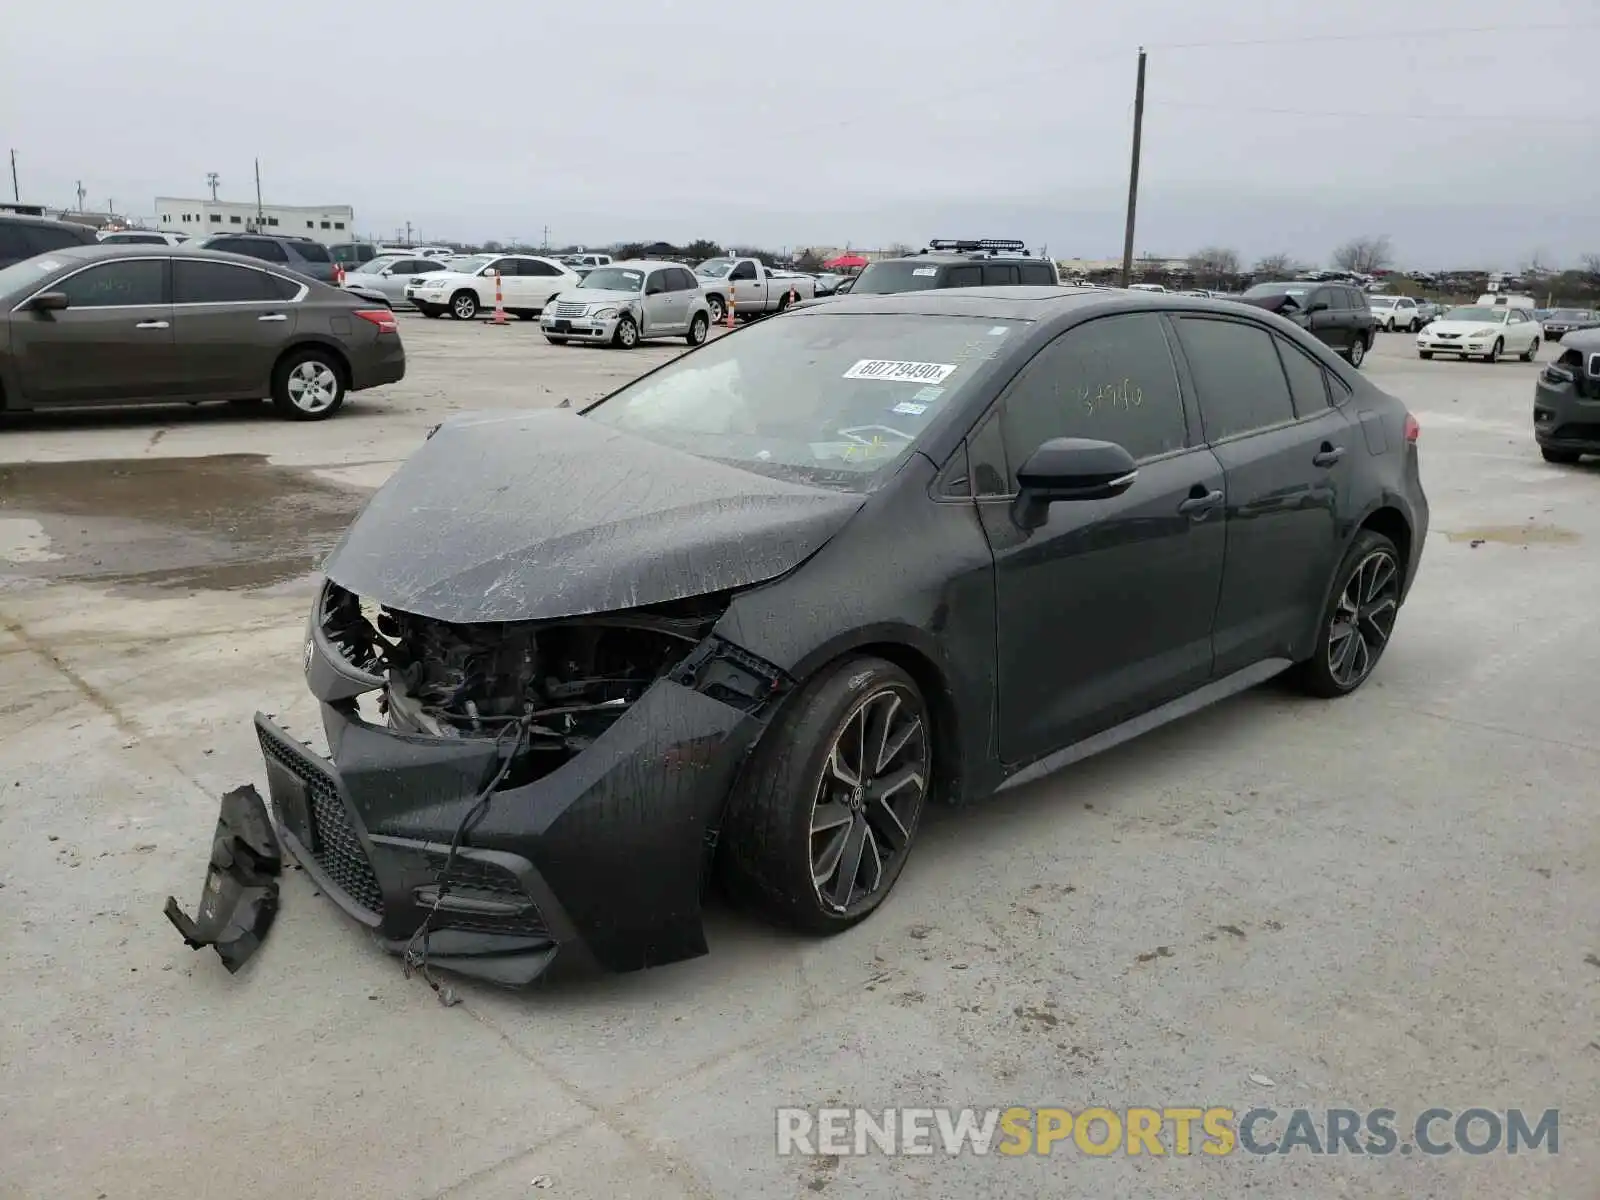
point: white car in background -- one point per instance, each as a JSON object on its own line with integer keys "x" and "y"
{"x": 1396, "y": 312}
{"x": 467, "y": 285}
{"x": 1482, "y": 331}
{"x": 390, "y": 275}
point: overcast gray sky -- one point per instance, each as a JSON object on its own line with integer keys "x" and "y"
{"x": 839, "y": 121}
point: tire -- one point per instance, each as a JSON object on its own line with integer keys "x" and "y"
{"x": 1389, "y": 328}
{"x": 464, "y": 305}
{"x": 783, "y": 303}
{"x": 1416, "y": 324}
{"x": 1358, "y": 352}
{"x": 432, "y": 313}
{"x": 524, "y": 315}
{"x": 1424, "y": 353}
{"x": 555, "y": 341}
{"x": 795, "y": 808}
{"x": 698, "y": 329}
{"x": 627, "y": 335}
{"x": 1566, "y": 458}
{"x": 308, "y": 385}
{"x": 1333, "y": 669}
{"x": 719, "y": 309}
{"x": 1495, "y": 351}
{"x": 1532, "y": 350}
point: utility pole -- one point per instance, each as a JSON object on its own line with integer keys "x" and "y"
{"x": 1133, "y": 173}
{"x": 81, "y": 195}
{"x": 213, "y": 181}
{"x": 16, "y": 192}
{"x": 408, "y": 233}
{"x": 258, "y": 194}
{"x": 546, "y": 243}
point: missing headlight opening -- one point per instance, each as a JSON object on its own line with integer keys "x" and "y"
{"x": 568, "y": 679}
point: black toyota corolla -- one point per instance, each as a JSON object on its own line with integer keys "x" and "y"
{"x": 750, "y": 614}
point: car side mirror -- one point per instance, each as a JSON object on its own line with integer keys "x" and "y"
{"x": 1319, "y": 306}
{"x": 386, "y": 272}
{"x": 1066, "y": 469}
{"x": 50, "y": 302}
{"x": 654, "y": 290}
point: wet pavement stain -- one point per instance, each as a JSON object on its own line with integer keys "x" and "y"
{"x": 220, "y": 523}
{"x": 1531, "y": 534}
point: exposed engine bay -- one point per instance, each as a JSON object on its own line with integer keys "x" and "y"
{"x": 567, "y": 679}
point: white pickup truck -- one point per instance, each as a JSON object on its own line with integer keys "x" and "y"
{"x": 752, "y": 288}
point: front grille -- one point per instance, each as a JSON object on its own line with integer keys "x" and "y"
{"x": 1449, "y": 337}
{"x": 569, "y": 310}
{"x": 335, "y": 845}
{"x": 489, "y": 881}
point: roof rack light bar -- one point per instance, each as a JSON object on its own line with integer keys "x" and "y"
{"x": 978, "y": 244}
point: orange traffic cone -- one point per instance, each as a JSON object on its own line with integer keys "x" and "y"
{"x": 338, "y": 274}
{"x": 499, "y": 303}
{"x": 730, "y": 304}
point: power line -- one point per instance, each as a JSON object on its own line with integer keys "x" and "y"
{"x": 1393, "y": 35}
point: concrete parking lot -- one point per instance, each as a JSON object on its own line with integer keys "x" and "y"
{"x": 1386, "y": 901}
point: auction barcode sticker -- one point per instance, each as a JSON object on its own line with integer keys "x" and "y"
{"x": 900, "y": 372}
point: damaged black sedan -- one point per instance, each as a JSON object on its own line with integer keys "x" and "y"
{"x": 750, "y": 614}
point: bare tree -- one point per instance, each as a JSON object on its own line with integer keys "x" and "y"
{"x": 1365, "y": 254}
{"x": 898, "y": 250}
{"x": 1277, "y": 266}
{"x": 1591, "y": 266}
{"x": 1213, "y": 264}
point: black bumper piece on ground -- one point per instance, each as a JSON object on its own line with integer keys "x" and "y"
{"x": 240, "y": 896}
{"x": 598, "y": 863}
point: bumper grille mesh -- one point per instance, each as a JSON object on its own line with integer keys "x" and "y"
{"x": 570, "y": 310}
{"x": 338, "y": 850}
{"x": 494, "y": 882}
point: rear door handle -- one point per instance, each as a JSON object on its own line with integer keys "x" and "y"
{"x": 153, "y": 325}
{"x": 1326, "y": 458}
{"x": 1200, "y": 505}
{"x": 273, "y": 317}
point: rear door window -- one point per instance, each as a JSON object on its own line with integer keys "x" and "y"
{"x": 1238, "y": 374}
{"x": 999, "y": 274}
{"x": 964, "y": 277}
{"x": 534, "y": 266}
{"x": 310, "y": 251}
{"x": 131, "y": 283}
{"x": 685, "y": 279}
{"x": 1112, "y": 379}
{"x": 195, "y": 281}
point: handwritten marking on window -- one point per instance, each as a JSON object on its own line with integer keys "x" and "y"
{"x": 1123, "y": 394}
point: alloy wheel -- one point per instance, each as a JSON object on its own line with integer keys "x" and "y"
{"x": 313, "y": 386}
{"x": 1358, "y": 351}
{"x": 1363, "y": 619}
{"x": 873, "y": 785}
{"x": 464, "y": 307}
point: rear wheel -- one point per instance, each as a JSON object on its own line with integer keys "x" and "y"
{"x": 1565, "y": 457}
{"x": 719, "y": 309}
{"x": 464, "y": 306}
{"x": 1358, "y": 352}
{"x": 1533, "y": 349}
{"x": 822, "y": 826}
{"x": 1359, "y": 618}
{"x": 698, "y": 328}
{"x": 1416, "y": 324}
{"x": 1389, "y": 326}
{"x": 308, "y": 385}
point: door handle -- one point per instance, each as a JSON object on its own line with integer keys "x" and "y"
{"x": 273, "y": 317}
{"x": 153, "y": 325}
{"x": 1328, "y": 455}
{"x": 1198, "y": 506}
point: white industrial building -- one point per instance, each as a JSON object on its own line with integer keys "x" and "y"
{"x": 326, "y": 223}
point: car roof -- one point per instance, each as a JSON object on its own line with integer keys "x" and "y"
{"x": 647, "y": 264}
{"x": 108, "y": 250}
{"x": 1009, "y": 303}
{"x": 30, "y": 219}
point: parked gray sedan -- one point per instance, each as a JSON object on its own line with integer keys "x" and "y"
{"x": 624, "y": 303}
{"x": 157, "y": 324}
{"x": 388, "y": 276}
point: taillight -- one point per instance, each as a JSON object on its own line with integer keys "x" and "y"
{"x": 1412, "y": 428}
{"x": 381, "y": 317}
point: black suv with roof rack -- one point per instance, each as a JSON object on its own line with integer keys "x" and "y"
{"x": 301, "y": 254}
{"x": 952, "y": 263}
{"x": 23, "y": 236}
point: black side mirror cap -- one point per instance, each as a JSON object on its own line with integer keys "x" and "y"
{"x": 50, "y": 302}
{"x": 1068, "y": 469}
{"x": 1319, "y": 306}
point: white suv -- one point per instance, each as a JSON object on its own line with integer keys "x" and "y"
{"x": 467, "y": 287}
{"x": 1396, "y": 312}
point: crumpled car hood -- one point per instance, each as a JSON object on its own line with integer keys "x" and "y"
{"x": 529, "y": 516}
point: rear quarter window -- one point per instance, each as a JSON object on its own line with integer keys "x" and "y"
{"x": 312, "y": 252}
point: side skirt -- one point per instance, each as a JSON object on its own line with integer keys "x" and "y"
{"x": 1183, "y": 706}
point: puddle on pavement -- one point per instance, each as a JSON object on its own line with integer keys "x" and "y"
{"x": 224, "y": 522}
{"x": 1531, "y": 534}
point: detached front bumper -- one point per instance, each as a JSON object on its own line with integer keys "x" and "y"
{"x": 599, "y": 863}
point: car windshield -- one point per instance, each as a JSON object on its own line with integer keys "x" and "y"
{"x": 1476, "y": 314}
{"x": 22, "y": 275}
{"x": 1297, "y": 290}
{"x": 886, "y": 278}
{"x": 835, "y": 400}
{"x": 467, "y": 263}
{"x": 715, "y": 268}
{"x": 613, "y": 279}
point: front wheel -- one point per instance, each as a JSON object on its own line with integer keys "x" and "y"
{"x": 1416, "y": 324}
{"x": 308, "y": 386}
{"x": 1358, "y": 352}
{"x": 823, "y": 824}
{"x": 1565, "y": 457}
{"x": 698, "y": 328}
{"x": 627, "y": 335}
{"x": 463, "y": 306}
{"x": 1533, "y": 349}
{"x": 1359, "y": 618}
{"x": 1495, "y": 351}
{"x": 719, "y": 309}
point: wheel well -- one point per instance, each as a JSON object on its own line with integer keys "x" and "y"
{"x": 931, "y": 683}
{"x": 340, "y": 362}
{"x": 1392, "y": 524}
